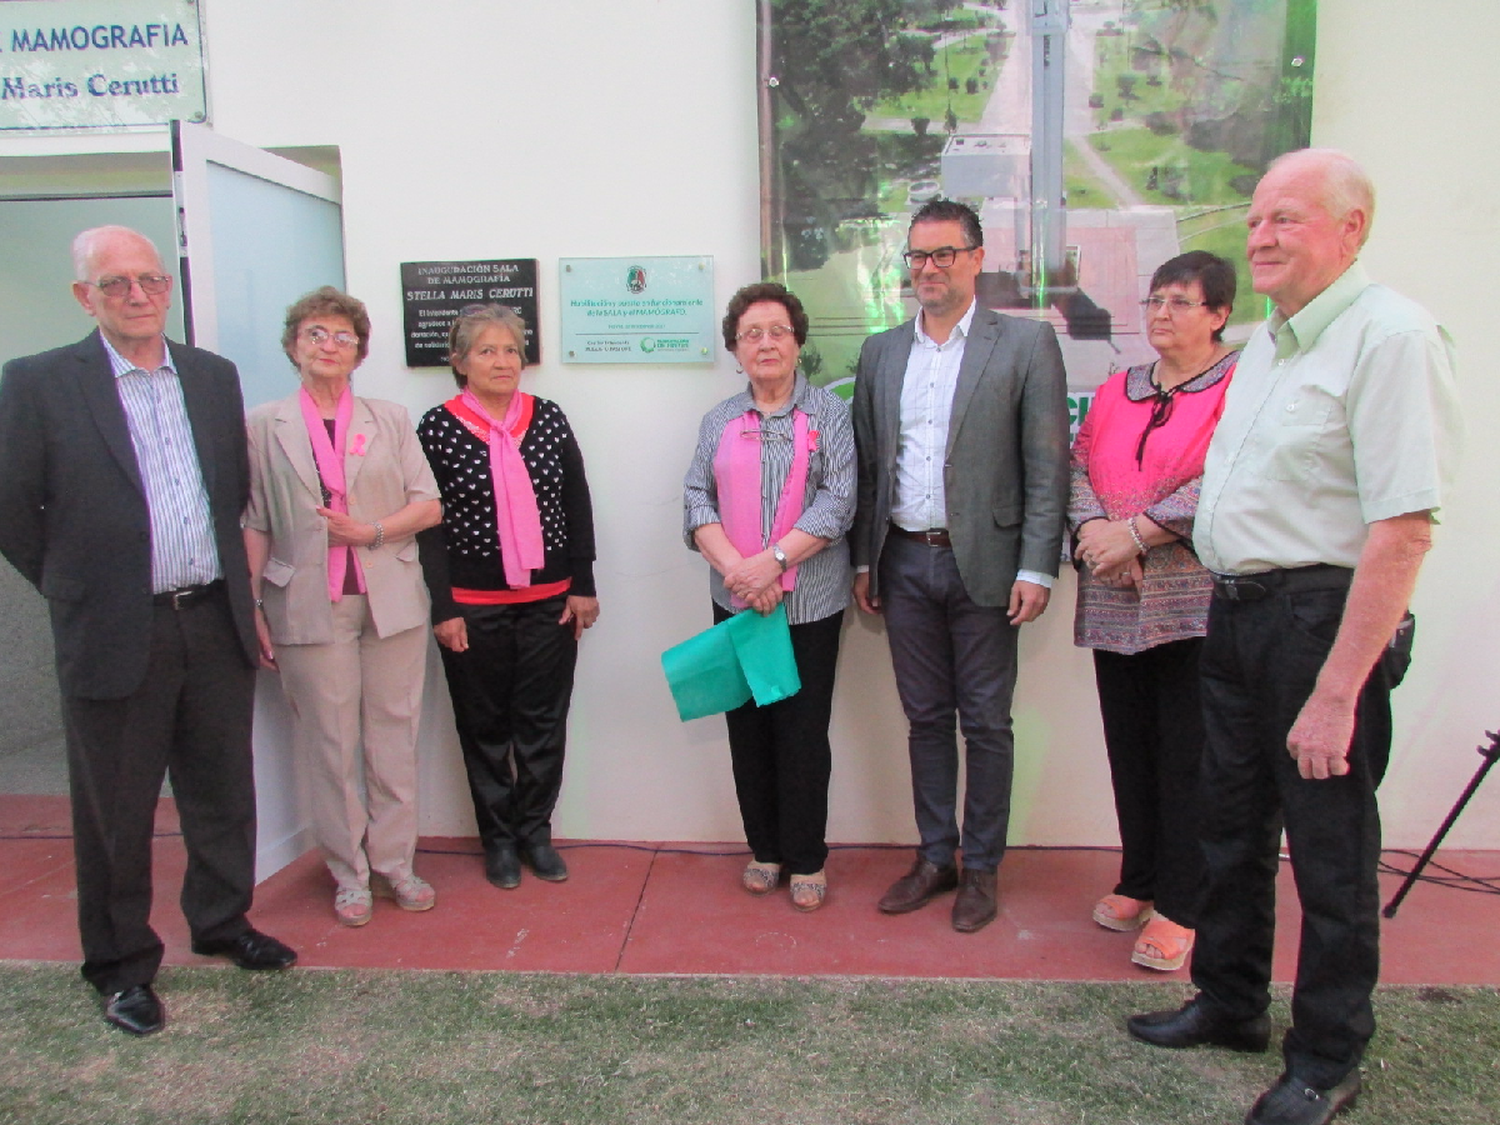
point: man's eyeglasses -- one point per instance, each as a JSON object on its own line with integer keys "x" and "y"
{"x": 1173, "y": 305}
{"x": 152, "y": 284}
{"x": 755, "y": 335}
{"x": 320, "y": 336}
{"x": 942, "y": 257}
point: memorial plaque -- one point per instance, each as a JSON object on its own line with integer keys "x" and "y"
{"x": 432, "y": 293}
{"x": 637, "y": 310}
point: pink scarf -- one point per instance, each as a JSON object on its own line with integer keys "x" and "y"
{"x": 329, "y": 456}
{"x": 737, "y": 471}
{"x": 516, "y": 516}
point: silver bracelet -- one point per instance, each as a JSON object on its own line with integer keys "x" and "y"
{"x": 1140, "y": 544}
{"x": 380, "y": 537}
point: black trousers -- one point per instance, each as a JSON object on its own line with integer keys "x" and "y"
{"x": 781, "y": 757}
{"x": 1260, "y": 661}
{"x": 1153, "y": 732}
{"x": 511, "y": 692}
{"x": 189, "y": 719}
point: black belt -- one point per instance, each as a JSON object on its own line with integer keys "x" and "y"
{"x": 933, "y": 537}
{"x": 1253, "y": 587}
{"x": 185, "y": 596}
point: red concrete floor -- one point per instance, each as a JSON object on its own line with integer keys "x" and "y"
{"x": 656, "y": 908}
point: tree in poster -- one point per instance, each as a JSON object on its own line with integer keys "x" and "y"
{"x": 833, "y": 60}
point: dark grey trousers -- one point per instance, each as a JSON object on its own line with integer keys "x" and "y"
{"x": 952, "y": 659}
{"x": 190, "y": 718}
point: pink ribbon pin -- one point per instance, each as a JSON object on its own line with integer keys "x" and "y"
{"x": 358, "y": 449}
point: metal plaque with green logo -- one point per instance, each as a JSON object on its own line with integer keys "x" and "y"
{"x": 100, "y": 64}
{"x": 637, "y": 310}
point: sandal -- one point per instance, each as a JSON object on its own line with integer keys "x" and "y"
{"x": 1163, "y": 945}
{"x": 1122, "y": 913}
{"x": 411, "y": 891}
{"x": 760, "y": 878}
{"x": 808, "y": 891}
{"x": 352, "y": 906}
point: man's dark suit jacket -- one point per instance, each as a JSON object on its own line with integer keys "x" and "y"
{"x": 1006, "y": 470}
{"x": 73, "y": 516}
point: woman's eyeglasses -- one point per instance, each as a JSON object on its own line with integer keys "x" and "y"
{"x": 1173, "y": 305}
{"x": 755, "y": 335}
{"x": 320, "y": 336}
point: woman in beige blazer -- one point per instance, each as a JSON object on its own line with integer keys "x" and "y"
{"x": 339, "y": 487}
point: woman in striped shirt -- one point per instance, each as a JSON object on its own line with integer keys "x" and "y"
{"x": 768, "y": 500}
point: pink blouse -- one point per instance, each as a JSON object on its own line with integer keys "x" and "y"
{"x": 1108, "y": 482}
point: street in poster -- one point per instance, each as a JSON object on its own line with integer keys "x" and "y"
{"x": 432, "y": 293}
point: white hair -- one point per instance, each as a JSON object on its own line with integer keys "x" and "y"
{"x": 87, "y": 244}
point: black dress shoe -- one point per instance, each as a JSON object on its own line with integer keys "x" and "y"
{"x": 1293, "y": 1102}
{"x": 1196, "y": 1024}
{"x": 917, "y": 887}
{"x": 136, "y": 1010}
{"x": 545, "y": 862}
{"x": 974, "y": 909}
{"x": 502, "y": 866}
{"x": 250, "y": 950}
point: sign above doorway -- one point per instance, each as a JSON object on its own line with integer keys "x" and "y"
{"x": 100, "y": 64}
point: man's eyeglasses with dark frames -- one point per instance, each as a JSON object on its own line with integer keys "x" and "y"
{"x": 152, "y": 284}
{"x": 942, "y": 257}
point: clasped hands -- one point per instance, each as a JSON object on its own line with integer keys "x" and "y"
{"x": 1108, "y": 549}
{"x": 756, "y": 581}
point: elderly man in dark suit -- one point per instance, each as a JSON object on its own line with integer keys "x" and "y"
{"x": 961, "y": 422}
{"x": 122, "y": 477}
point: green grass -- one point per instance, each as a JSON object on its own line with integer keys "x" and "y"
{"x": 1083, "y": 187}
{"x": 961, "y": 60}
{"x": 346, "y": 1046}
{"x": 1204, "y": 176}
{"x": 1112, "y": 61}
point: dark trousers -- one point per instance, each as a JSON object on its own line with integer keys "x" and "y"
{"x": 951, "y": 656}
{"x": 781, "y": 757}
{"x": 190, "y": 720}
{"x": 1260, "y": 661}
{"x": 511, "y": 692}
{"x": 1153, "y": 731}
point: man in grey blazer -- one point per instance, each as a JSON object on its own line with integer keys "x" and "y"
{"x": 122, "y": 478}
{"x": 960, "y": 417}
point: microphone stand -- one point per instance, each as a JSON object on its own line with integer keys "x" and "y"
{"x": 1490, "y": 754}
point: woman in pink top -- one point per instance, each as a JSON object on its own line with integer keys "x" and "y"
{"x": 1143, "y": 595}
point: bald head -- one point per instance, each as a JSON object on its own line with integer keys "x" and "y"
{"x": 91, "y": 244}
{"x": 1308, "y": 219}
{"x": 1346, "y": 186}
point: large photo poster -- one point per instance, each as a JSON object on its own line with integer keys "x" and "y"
{"x": 1096, "y": 139}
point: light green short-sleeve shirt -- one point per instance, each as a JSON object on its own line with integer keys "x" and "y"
{"x": 1341, "y": 416}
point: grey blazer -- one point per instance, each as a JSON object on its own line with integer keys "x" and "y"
{"x": 1006, "y": 469}
{"x": 73, "y": 516}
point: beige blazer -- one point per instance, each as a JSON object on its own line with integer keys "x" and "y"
{"x": 385, "y": 470}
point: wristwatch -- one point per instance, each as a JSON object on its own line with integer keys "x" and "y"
{"x": 780, "y": 556}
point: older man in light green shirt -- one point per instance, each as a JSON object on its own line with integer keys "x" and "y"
{"x": 1334, "y": 453}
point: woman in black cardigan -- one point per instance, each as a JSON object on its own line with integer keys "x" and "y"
{"x": 511, "y": 573}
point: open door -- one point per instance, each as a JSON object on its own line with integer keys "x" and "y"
{"x": 255, "y": 232}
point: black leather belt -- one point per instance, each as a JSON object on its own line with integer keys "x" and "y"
{"x": 933, "y": 537}
{"x": 186, "y": 596}
{"x": 1254, "y": 587}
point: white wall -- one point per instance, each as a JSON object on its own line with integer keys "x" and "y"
{"x": 510, "y": 128}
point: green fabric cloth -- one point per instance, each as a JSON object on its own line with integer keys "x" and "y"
{"x": 747, "y": 657}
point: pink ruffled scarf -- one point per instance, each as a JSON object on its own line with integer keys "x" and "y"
{"x": 329, "y": 456}
{"x": 737, "y": 471}
{"x": 517, "y": 518}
